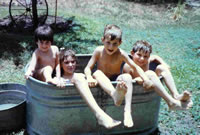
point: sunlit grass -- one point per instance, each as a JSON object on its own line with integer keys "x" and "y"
{"x": 177, "y": 42}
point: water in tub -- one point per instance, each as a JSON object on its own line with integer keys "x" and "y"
{"x": 6, "y": 106}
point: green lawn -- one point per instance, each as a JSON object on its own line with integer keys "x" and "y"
{"x": 177, "y": 42}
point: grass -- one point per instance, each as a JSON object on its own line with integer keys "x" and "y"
{"x": 176, "y": 41}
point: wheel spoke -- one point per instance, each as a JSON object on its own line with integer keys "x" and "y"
{"x": 19, "y": 17}
{"x": 41, "y": 9}
{"x": 23, "y": 11}
{"x": 21, "y": 3}
{"x": 22, "y": 14}
{"x": 28, "y": 2}
{"x": 31, "y": 15}
{"x": 18, "y": 9}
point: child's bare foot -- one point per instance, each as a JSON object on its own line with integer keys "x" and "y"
{"x": 107, "y": 121}
{"x": 128, "y": 122}
{"x": 185, "y": 96}
{"x": 119, "y": 93}
{"x": 180, "y": 105}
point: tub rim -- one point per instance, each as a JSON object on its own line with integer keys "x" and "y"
{"x": 69, "y": 84}
{"x": 20, "y": 91}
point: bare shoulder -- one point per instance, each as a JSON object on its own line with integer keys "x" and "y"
{"x": 55, "y": 48}
{"x": 126, "y": 68}
{"x": 36, "y": 52}
{"x": 98, "y": 51}
{"x": 155, "y": 58}
{"x": 124, "y": 54}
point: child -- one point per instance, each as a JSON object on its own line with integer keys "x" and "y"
{"x": 68, "y": 65}
{"x": 45, "y": 58}
{"x": 109, "y": 59}
{"x": 154, "y": 66}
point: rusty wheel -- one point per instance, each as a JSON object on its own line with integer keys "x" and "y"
{"x": 28, "y": 12}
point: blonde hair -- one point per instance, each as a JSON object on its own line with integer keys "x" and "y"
{"x": 113, "y": 32}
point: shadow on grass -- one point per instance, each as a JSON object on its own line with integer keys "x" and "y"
{"x": 10, "y": 48}
{"x": 17, "y": 46}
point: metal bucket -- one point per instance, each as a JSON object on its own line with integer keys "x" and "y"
{"x": 12, "y": 107}
{"x": 55, "y": 111}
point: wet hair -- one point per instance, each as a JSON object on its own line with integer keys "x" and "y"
{"x": 142, "y": 45}
{"x": 64, "y": 53}
{"x": 113, "y": 31}
{"x": 44, "y": 32}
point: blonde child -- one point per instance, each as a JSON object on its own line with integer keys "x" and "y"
{"x": 45, "y": 58}
{"x": 109, "y": 59}
{"x": 154, "y": 67}
{"x": 68, "y": 65}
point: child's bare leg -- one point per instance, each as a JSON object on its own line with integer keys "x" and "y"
{"x": 169, "y": 81}
{"x": 128, "y": 122}
{"x": 160, "y": 90}
{"x": 118, "y": 93}
{"x": 103, "y": 119}
{"x": 47, "y": 73}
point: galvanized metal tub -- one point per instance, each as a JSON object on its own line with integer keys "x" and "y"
{"x": 55, "y": 111}
{"x": 12, "y": 106}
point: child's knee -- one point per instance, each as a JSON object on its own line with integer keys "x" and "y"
{"x": 162, "y": 70}
{"x": 125, "y": 77}
{"x": 47, "y": 70}
{"x": 151, "y": 74}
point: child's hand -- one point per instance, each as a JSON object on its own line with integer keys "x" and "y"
{"x": 92, "y": 82}
{"x": 61, "y": 83}
{"x": 28, "y": 74}
{"x": 139, "y": 80}
{"x": 147, "y": 84}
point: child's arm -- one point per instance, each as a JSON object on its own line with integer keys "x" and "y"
{"x": 88, "y": 69}
{"x": 147, "y": 83}
{"x": 31, "y": 67}
{"x": 58, "y": 71}
{"x": 159, "y": 60}
{"x": 59, "y": 82}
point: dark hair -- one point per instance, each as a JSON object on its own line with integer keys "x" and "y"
{"x": 44, "y": 32}
{"x": 142, "y": 45}
{"x": 64, "y": 53}
{"x": 113, "y": 31}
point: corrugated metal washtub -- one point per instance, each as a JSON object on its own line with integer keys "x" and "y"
{"x": 12, "y": 107}
{"x": 55, "y": 111}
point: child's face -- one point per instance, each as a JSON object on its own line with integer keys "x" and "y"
{"x": 111, "y": 46}
{"x": 69, "y": 65}
{"x": 44, "y": 45}
{"x": 140, "y": 57}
